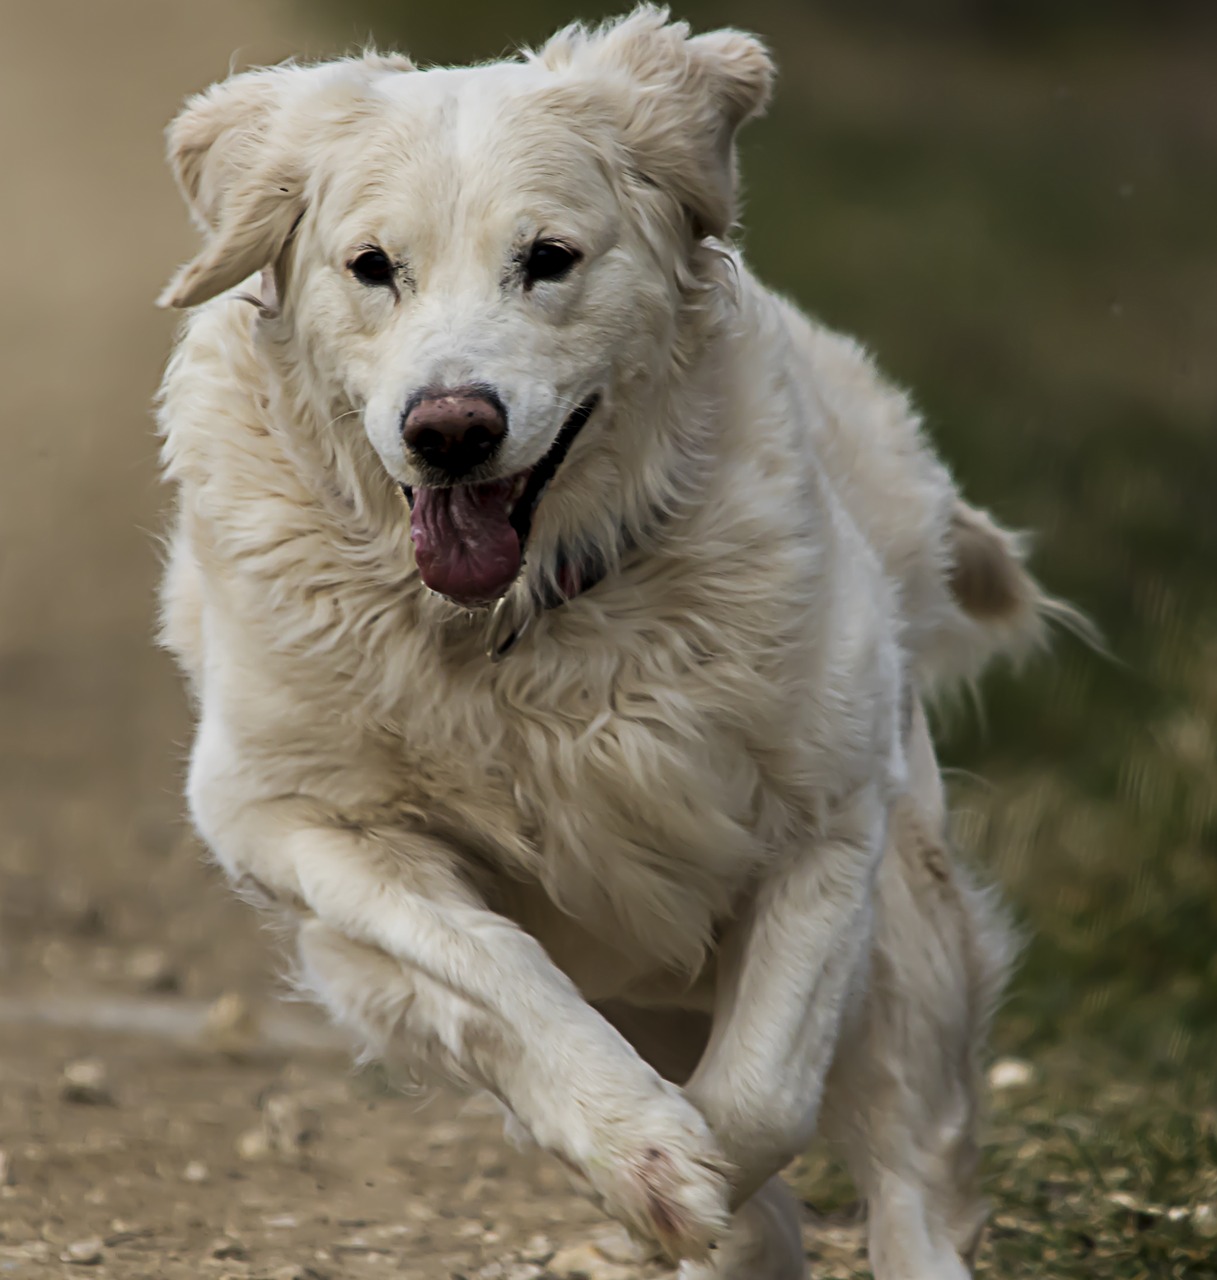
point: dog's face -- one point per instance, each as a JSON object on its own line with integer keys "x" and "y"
{"x": 474, "y": 260}
{"x": 475, "y": 301}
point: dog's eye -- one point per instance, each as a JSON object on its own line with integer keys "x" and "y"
{"x": 549, "y": 260}
{"x": 372, "y": 266}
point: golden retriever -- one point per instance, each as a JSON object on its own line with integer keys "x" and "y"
{"x": 559, "y": 603}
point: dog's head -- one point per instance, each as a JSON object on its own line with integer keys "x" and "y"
{"x": 476, "y": 261}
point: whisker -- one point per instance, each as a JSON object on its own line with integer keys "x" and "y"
{"x": 349, "y": 413}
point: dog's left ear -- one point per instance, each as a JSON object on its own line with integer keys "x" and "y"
{"x": 682, "y": 101}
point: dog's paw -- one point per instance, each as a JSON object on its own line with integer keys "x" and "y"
{"x": 662, "y": 1174}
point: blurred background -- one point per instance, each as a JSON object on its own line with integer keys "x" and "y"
{"x": 1014, "y": 204}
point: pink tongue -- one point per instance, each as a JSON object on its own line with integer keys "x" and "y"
{"x": 464, "y": 544}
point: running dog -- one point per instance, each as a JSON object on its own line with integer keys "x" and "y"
{"x": 559, "y": 605}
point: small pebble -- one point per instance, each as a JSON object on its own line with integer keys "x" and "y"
{"x": 123, "y": 1232}
{"x": 360, "y": 1247}
{"x": 231, "y": 1025}
{"x": 1142, "y": 1208}
{"x": 510, "y": 1270}
{"x": 539, "y": 1248}
{"x": 84, "y": 1081}
{"x": 227, "y": 1249}
{"x": 253, "y": 1145}
{"x": 152, "y": 969}
{"x": 523, "y": 1271}
{"x": 289, "y": 1125}
{"x": 1011, "y": 1073}
{"x": 586, "y": 1260}
{"x": 82, "y": 1253}
{"x": 1204, "y": 1220}
{"x": 196, "y": 1171}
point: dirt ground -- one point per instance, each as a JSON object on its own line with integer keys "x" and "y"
{"x": 145, "y": 1130}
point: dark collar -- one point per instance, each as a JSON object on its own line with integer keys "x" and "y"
{"x": 508, "y": 624}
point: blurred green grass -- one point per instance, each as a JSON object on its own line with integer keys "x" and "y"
{"x": 1015, "y": 206}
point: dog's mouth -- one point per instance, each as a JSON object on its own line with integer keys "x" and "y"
{"x": 469, "y": 539}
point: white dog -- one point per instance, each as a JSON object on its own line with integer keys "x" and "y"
{"x": 558, "y": 603}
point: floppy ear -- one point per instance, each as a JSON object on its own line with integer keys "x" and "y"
{"x": 239, "y": 185}
{"x": 682, "y": 100}
{"x": 240, "y": 164}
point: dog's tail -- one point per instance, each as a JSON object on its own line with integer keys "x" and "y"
{"x": 994, "y": 609}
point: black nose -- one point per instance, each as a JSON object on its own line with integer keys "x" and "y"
{"x": 456, "y": 430}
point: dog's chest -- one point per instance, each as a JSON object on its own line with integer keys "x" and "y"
{"x": 608, "y": 785}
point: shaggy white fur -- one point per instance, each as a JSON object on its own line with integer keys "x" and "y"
{"x": 670, "y": 879}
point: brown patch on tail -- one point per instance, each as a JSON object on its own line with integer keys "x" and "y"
{"x": 1000, "y": 609}
{"x": 987, "y": 577}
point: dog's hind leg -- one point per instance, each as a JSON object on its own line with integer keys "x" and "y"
{"x": 902, "y": 1099}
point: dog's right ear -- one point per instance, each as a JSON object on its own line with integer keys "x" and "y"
{"x": 241, "y": 188}
{"x": 239, "y": 159}
{"x": 215, "y": 140}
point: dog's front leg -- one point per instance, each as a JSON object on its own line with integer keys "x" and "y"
{"x": 390, "y": 925}
{"x": 786, "y": 969}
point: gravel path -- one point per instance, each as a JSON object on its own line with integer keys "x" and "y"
{"x": 148, "y": 1156}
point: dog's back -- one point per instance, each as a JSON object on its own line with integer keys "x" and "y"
{"x": 966, "y": 594}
